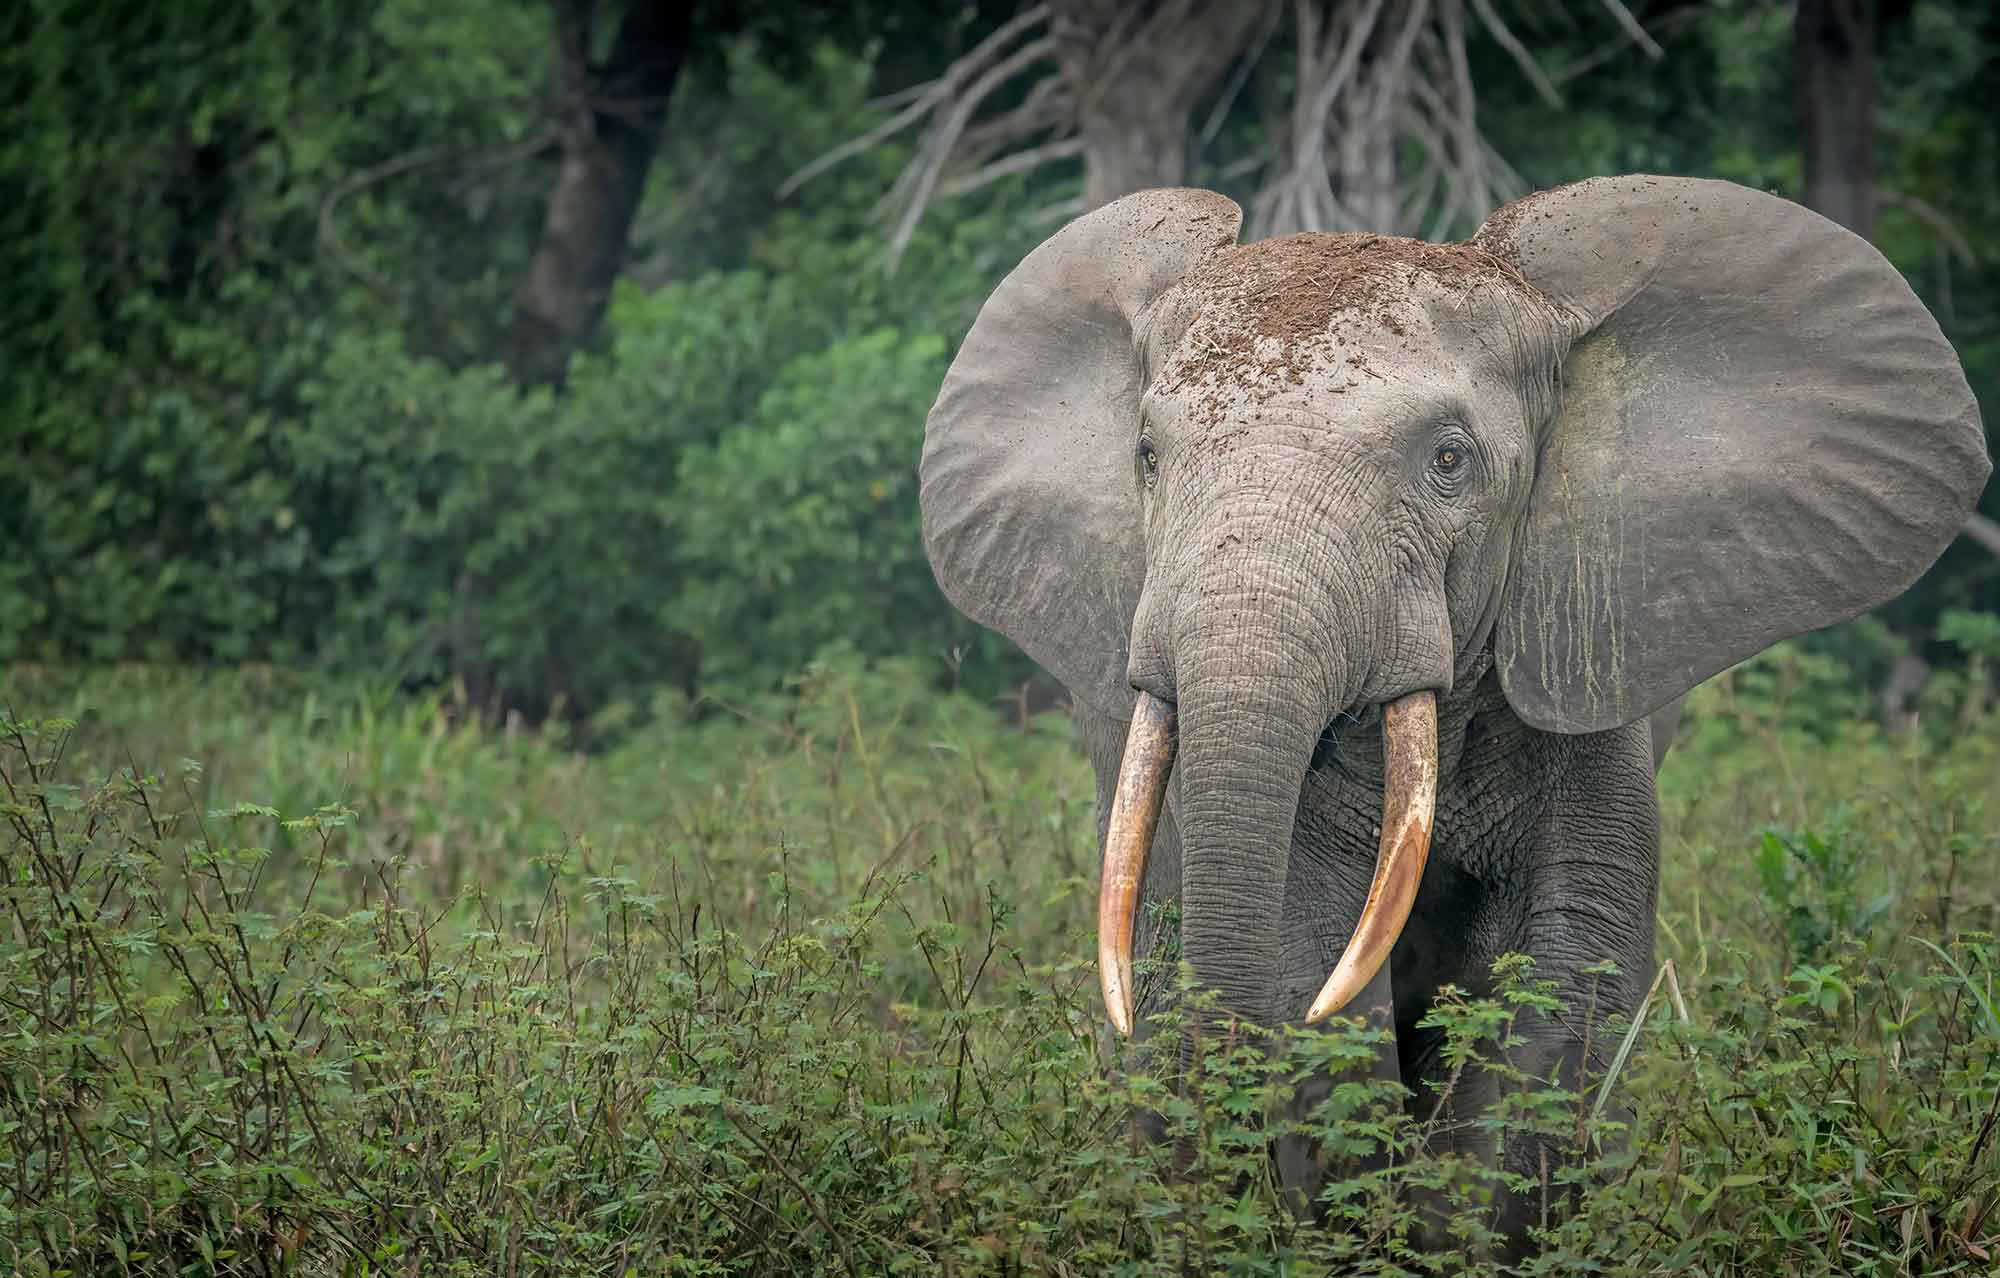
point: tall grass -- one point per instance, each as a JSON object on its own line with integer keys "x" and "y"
{"x": 297, "y": 979}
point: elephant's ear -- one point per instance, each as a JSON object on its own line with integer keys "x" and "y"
{"x": 1030, "y": 505}
{"x": 1760, "y": 431}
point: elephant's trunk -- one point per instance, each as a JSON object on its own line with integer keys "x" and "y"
{"x": 1246, "y": 761}
{"x": 1246, "y": 743}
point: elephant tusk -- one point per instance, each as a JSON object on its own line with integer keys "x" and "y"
{"x": 1409, "y": 798}
{"x": 1135, "y": 813}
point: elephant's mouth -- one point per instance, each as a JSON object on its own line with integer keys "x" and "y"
{"x": 1409, "y": 795}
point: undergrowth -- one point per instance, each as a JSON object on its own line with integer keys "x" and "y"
{"x": 308, "y": 981}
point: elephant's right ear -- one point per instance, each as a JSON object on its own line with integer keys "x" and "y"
{"x": 1030, "y": 505}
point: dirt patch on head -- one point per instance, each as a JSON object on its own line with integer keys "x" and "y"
{"x": 1293, "y": 287}
{"x": 1265, "y": 305}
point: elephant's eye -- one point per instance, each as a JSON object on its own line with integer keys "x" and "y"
{"x": 1448, "y": 459}
{"x": 1150, "y": 459}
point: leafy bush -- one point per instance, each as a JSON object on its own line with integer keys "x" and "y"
{"x": 1811, "y": 883}
{"x": 801, "y": 529}
{"x": 631, "y": 532}
{"x": 155, "y": 521}
{"x": 188, "y": 223}
{"x": 262, "y": 424}
{"x": 803, "y": 988}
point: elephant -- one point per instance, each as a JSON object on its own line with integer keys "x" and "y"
{"x": 1376, "y": 568}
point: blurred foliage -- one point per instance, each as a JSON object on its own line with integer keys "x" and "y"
{"x": 261, "y": 257}
{"x": 804, "y": 522}
{"x": 301, "y": 977}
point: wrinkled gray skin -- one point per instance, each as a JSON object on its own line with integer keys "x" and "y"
{"x": 1637, "y": 430}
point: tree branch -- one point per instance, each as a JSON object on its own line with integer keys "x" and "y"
{"x": 1633, "y": 29}
{"x": 1018, "y": 162}
{"x": 938, "y": 146}
{"x": 1519, "y": 52}
{"x": 1275, "y": 13}
{"x": 1947, "y": 231}
{"x": 1047, "y": 106}
{"x": 1984, "y": 531}
{"x": 928, "y": 98}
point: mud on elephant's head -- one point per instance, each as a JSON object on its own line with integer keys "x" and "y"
{"x": 1634, "y": 431}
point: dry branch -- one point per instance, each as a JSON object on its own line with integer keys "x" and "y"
{"x": 1018, "y": 162}
{"x": 938, "y": 145}
{"x": 1369, "y": 77}
{"x": 927, "y": 97}
{"x": 1519, "y": 52}
{"x": 1946, "y": 230}
{"x": 1984, "y": 531}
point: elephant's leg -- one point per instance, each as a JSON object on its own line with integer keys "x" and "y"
{"x": 1567, "y": 874}
{"x": 1455, "y": 1104}
{"x": 1573, "y": 1057}
{"x": 1593, "y": 888}
{"x": 1449, "y": 940}
{"x": 1448, "y": 1104}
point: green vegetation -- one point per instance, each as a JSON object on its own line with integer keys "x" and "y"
{"x": 420, "y": 854}
{"x": 306, "y": 980}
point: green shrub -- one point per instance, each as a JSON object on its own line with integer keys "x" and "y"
{"x": 801, "y": 529}
{"x": 247, "y": 399}
{"x": 803, "y": 987}
{"x": 532, "y": 545}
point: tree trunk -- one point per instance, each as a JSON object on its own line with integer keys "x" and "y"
{"x": 1833, "y": 57}
{"x": 1131, "y": 143}
{"x": 1137, "y": 71}
{"x": 614, "y": 114}
{"x": 1365, "y": 176}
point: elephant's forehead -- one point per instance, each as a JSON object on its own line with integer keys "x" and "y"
{"x": 1323, "y": 384}
{"x": 1308, "y": 318}
{"x": 1266, "y": 370}
{"x": 1345, "y": 374}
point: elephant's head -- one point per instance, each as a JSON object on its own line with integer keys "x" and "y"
{"x": 1634, "y": 431}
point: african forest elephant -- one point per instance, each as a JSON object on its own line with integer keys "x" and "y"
{"x": 1366, "y": 559}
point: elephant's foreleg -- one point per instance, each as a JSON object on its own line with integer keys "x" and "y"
{"x": 1593, "y": 888}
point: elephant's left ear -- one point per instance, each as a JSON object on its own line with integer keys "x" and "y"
{"x": 1759, "y": 431}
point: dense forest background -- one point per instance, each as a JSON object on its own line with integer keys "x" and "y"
{"x": 563, "y": 353}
